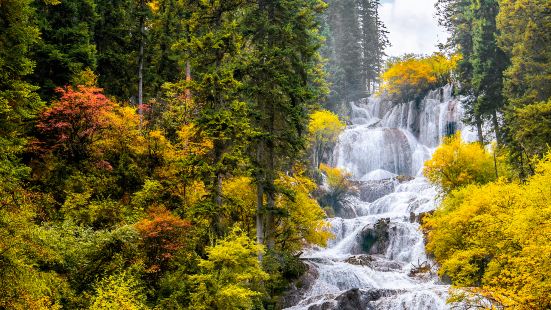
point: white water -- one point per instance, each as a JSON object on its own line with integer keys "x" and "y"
{"x": 386, "y": 140}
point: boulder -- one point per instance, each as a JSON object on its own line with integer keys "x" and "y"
{"x": 354, "y": 299}
{"x": 370, "y": 191}
{"x": 297, "y": 288}
{"x": 360, "y": 260}
{"x": 373, "y": 240}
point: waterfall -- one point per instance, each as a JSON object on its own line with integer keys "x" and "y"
{"x": 370, "y": 263}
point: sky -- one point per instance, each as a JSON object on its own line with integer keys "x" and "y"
{"x": 412, "y": 25}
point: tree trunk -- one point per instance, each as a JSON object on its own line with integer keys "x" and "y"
{"x": 259, "y": 217}
{"x": 479, "y": 130}
{"x": 496, "y": 128}
{"x": 140, "y": 61}
{"x": 188, "y": 79}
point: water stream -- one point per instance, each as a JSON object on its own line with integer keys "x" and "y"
{"x": 377, "y": 244}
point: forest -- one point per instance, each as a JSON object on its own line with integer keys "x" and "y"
{"x": 177, "y": 154}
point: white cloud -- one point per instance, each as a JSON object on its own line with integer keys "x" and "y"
{"x": 412, "y": 25}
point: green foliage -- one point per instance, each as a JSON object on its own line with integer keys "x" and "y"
{"x": 66, "y": 47}
{"x": 530, "y": 127}
{"x": 524, "y": 35}
{"x": 497, "y": 236}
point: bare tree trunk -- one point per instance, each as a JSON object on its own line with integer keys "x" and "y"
{"x": 259, "y": 217}
{"x": 496, "y": 128}
{"x": 270, "y": 206}
{"x": 479, "y": 130}
{"x": 140, "y": 61}
{"x": 188, "y": 79}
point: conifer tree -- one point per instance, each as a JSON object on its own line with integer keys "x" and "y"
{"x": 66, "y": 47}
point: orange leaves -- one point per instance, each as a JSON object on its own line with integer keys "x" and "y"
{"x": 163, "y": 234}
{"x": 73, "y": 122}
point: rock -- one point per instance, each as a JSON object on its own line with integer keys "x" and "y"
{"x": 385, "y": 265}
{"x": 403, "y": 178}
{"x": 345, "y": 211}
{"x": 355, "y": 299}
{"x": 418, "y": 217}
{"x": 360, "y": 260}
{"x": 373, "y": 240}
{"x": 296, "y": 291}
{"x": 370, "y": 191}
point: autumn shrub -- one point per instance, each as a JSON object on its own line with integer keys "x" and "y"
{"x": 119, "y": 291}
{"x": 163, "y": 235}
{"x": 410, "y": 77}
{"x": 337, "y": 186}
{"x": 303, "y": 221}
{"x": 231, "y": 276}
{"x": 496, "y": 237}
{"x": 456, "y": 163}
{"x": 324, "y": 129}
{"x": 74, "y": 122}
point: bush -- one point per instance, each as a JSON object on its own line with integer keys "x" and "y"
{"x": 456, "y": 164}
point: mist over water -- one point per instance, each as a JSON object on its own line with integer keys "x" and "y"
{"x": 384, "y": 140}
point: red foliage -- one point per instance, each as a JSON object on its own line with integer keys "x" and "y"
{"x": 163, "y": 235}
{"x": 73, "y": 122}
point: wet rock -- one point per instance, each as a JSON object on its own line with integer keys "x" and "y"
{"x": 360, "y": 260}
{"x": 298, "y": 288}
{"x": 345, "y": 211}
{"x": 355, "y": 299}
{"x": 403, "y": 178}
{"x": 386, "y": 265}
{"x": 373, "y": 240}
{"x": 370, "y": 191}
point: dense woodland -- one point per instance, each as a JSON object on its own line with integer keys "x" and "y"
{"x": 166, "y": 154}
{"x": 156, "y": 154}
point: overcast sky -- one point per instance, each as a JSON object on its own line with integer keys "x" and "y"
{"x": 412, "y": 26}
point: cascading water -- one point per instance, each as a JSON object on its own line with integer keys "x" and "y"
{"x": 373, "y": 260}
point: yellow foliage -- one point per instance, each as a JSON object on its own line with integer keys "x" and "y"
{"x": 191, "y": 142}
{"x": 337, "y": 179}
{"x": 325, "y": 126}
{"x": 411, "y": 76}
{"x": 231, "y": 275}
{"x": 456, "y": 163}
{"x": 498, "y": 236}
{"x": 240, "y": 201}
{"x": 118, "y": 292}
{"x": 324, "y": 129}
{"x": 305, "y": 222}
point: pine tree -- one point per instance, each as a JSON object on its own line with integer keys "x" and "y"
{"x": 285, "y": 80}
{"x": 66, "y": 47}
{"x": 19, "y": 101}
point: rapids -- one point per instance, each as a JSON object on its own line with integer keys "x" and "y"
{"x": 370, "y": 263}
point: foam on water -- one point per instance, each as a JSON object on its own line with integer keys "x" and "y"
{"x": 386, "y": 140}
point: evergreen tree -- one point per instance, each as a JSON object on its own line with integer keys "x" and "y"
{"x": 488, "y": 63}
{"x": 355, "y": 43}
{"x": 66, "y": 47}
{"x": 215, "y": 47}
{"x": 472, "y": 25}
{"x": 117, "y": 49}
{"x": 18, "y": 99}
{"x": 285, "y": 80}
